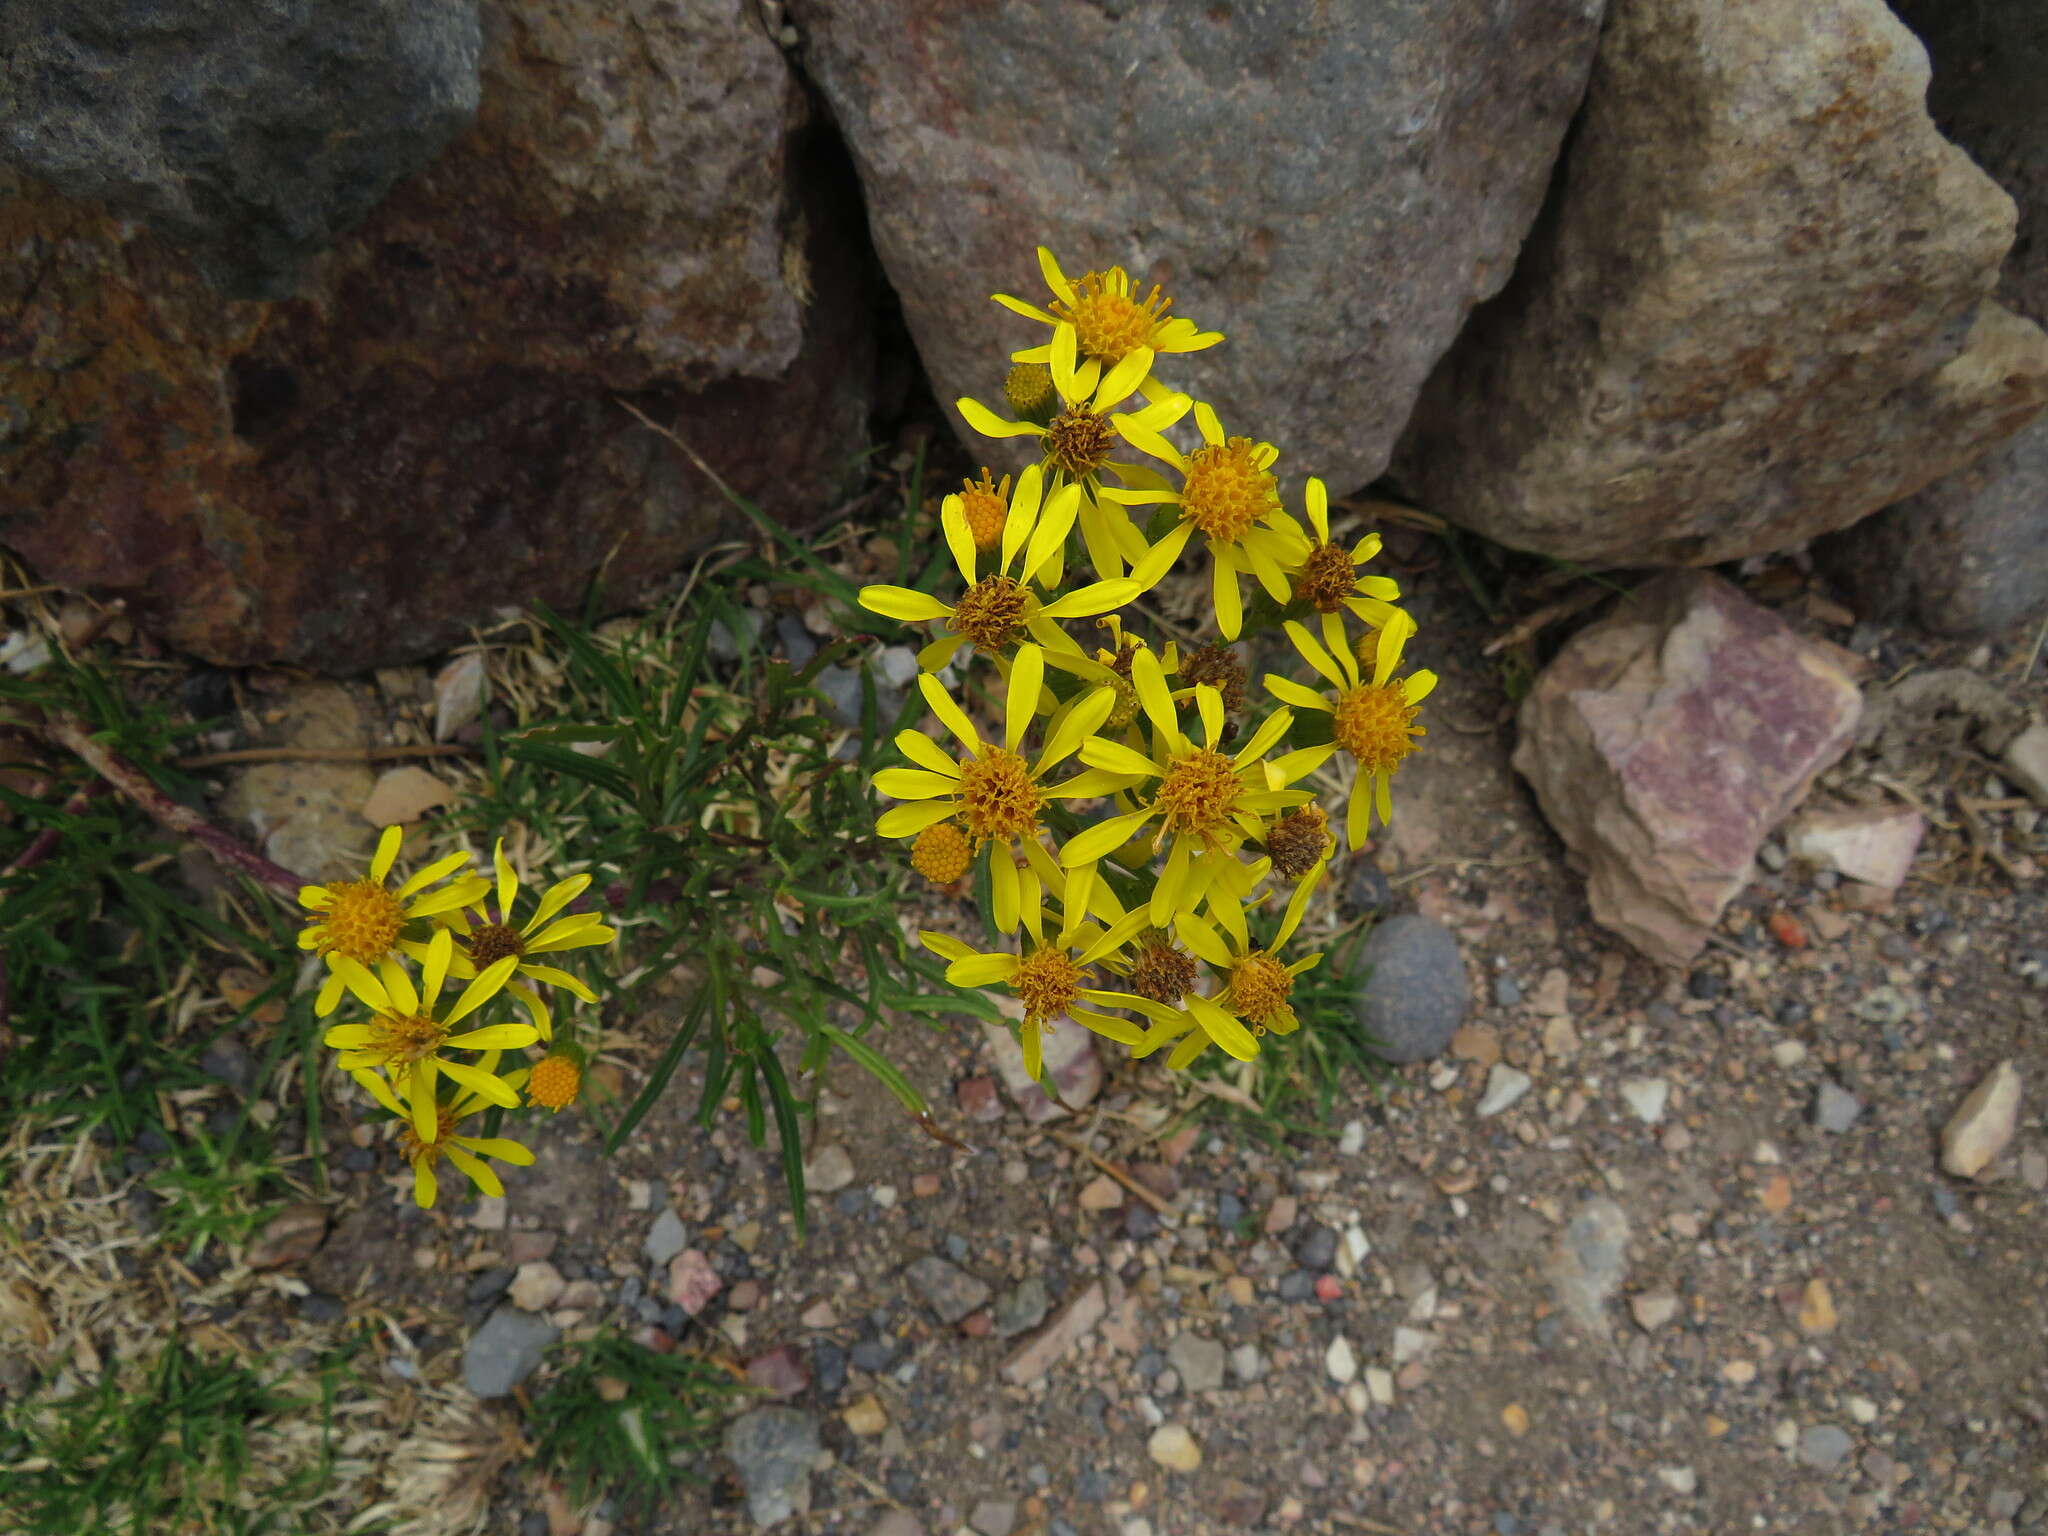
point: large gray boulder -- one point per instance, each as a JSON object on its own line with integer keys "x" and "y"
{"x": 1755, "y": 309}
{"x": 1969, "y": 554}
{"x": 254, "y": 134}
{"x": 1333, "y": 187}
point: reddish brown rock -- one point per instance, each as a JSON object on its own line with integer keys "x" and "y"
{"x": 436, "y": 425}
{"x": 1666, "y": 740}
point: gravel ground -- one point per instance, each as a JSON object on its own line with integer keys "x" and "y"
{"x": 1644, "y": 1251}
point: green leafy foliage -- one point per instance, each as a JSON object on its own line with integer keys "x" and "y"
{"x": 730, "y": 824}
{"x": 186, "y": 1443}
{"x": 624, "y": 1422}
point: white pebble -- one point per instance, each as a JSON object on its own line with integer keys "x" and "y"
{"x": 1352, "y": 1142}
{"x": 1504, "y": 1085}
{"x": 1340, "y": 1362}
{"x": 1646, "y": 1098}
{"x": 1788, "y": 1053}
{"x": 1678, "y": 1479}
{"x": 1861, "y": 1409}
{"x": 1380, "y": 1383}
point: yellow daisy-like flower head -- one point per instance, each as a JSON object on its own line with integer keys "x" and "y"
{"x": 494, "y": 938}
{"x": 424, "y": 1146}
{"x": 1206, "y": 803}
{"x": 1328, "y": 580}
{"x": 1229, "y": 495}
{"x": 1372, "y": 721}
{"x": 999, "y": 609}
{"x": 1105, "y": 318}
{"x": 1052, "y": 977}
{"x": 1028, "y": 391}
{"x": 1254, "y": 998}
{"x": 990, "y": 793}
{"x": 363, "y": 920}
{"x": 407, "y": 1033}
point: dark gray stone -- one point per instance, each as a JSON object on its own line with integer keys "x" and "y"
{"x": 1966, "y": 556}
{"x": 947, "y": 1289}
{"x": 1332, "y": 186}
{"x": 1022, "y": 1307}
{"x": 253, "y": 135}
{"x": 1415, "y": 996}
{"x": 1317, "y": 1248}
{"x": 505, "y": 1351}
{"x": 774, "y": 1449}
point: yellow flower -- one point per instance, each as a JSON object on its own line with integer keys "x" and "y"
{"x": 406, "y": 1038}
{"x": 1374, "y": 722}
{"x": 1207, "y": 803}
{"x": 1077, "y": 442}
{"x": 1254, "y": 997}
{"x": 495, "y": 939}
{"x": 999, "y": 610}
{"x": 1328, "y": 580}
{"x": 1101, "y": 319}
{"x": 1051, "y": 978}
{"x": 1229, "y": 495}
{"x": 424, "y": 1148}
{"x": 990, "y": 792}
{"x": 362, "y": 920}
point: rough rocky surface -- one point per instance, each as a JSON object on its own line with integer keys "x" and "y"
{"x": 773, "y": 1448}
{"x": 505, "y": 1351}
{"x": 1753, "y": 311}
{"x": 1969, "y": 554}
{"x": 267, "y": 482}
{"x": 254, "y": 144}
{"x": 1333, "y": 187}
{"x": 1666, "y": 740}
{"x": 1414, "y": 997}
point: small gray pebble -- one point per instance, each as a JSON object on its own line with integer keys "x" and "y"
{"x": 1945, "y": 1202}
{"x": 1835, "y": 1108}
{"x": 1317, "y": 1249}
{"x": 1297, "y": 1285}
{"x": 1507, "y": 992}
{"x": 1824, "y": 1445}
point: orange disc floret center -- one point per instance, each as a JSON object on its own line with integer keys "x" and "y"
{"x": 990, "y": 612}
{"x": 411, "y": 1148}
{"x": 554, "y": 1083}
{"x": 1079, "y": 441}
{"x": 1108, "y": 320}
{"x": 1326, "y": 578}
{"x": 985, "y": 505}
{"x": 1375, "y": 724}
{"x": 1226, "y": 491}
{"x": 1259, "y": 987}
{"x": 493, "y": 942}
{"x": 998, "y": 800}
{"x": 1048, "y": 982}
{"x": 941, "y": 853}
{"x": 1198, "y": 793}
{"x": 1162, "y": 972}
{"x": 362, "y": 921}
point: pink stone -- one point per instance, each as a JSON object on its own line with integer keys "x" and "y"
{"x": 692, "y": 1282}
{"x": 780, "y": 1372}
{"x": 978, "y": 1099}
{"x": 1666, "y": 740}
{"x": 1329, "y": 1287}
{"x": 1871, "y": 843}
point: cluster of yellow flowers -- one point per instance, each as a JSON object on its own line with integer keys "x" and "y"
{"x": 1202, "y": 828}
{"x": 366, "y": 932}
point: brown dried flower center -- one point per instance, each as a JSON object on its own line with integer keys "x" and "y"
{"x": 1162, "y": 973}
{"x": 991, "y": 612}
{"x": 1326, "y": 578}
{"x": 1079, "y": 441}
{"x": 493, "y": 942}
{"x": 1218, "y": 666}
{"x": 1297, "y": 841}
